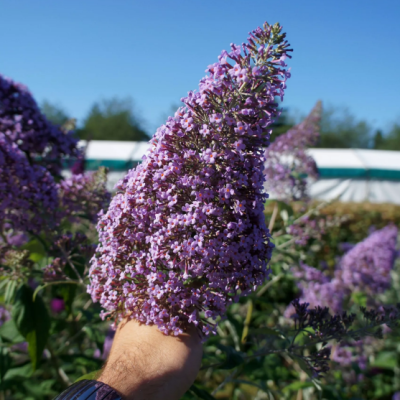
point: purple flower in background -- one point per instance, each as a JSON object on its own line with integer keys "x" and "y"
{"x": 13, "y": 238}
{"x": 288, "y": 166}
{"x": 366, "y": 267}
{"x": 22, "y": 123}
{"x": 345, "y": 246}
{"x": 78, "y": 167}
{"x": 28, "y": 195}
{"x": 57, "y": 305}
{"x": 4, "y": 315}
{"x": 31, "y": 151}
{"x": 348, "y": 353}
{"x": 84, "y": 195}
{"x": 317, "y": 289}
{"x": 396, "y": 396}
{"x": 108, "y": 342}
{"x": 156, "y": 262}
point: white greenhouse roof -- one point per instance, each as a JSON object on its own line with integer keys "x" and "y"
{"x": 347, "y": 174}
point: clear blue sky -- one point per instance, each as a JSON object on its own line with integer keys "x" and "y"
{"x": 346, "y": 52}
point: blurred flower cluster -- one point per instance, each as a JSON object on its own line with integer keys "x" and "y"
{"x": 31, "y": 150}
{"x": 364, "y": 268}
{"x": 288, "y": 167}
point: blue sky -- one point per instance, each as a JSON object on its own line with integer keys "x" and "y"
{"x": 346, "y": 52}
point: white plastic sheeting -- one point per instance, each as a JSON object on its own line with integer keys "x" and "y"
{"x": 347, "y": 174}
{"x": 356, "y": 190}
{"x": 357, "y": 175}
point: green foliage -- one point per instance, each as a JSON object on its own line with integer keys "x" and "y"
{"x": 32, "y": 321}
{"x": 340, "y": 129}
{"x": 391, "y": 141}
{"x": 112, "y": 119}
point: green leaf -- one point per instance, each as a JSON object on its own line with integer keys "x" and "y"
{"x": 201, "y": 393}
{"x": 68, "y": 294}
{"x": 359, "y": 298}
{"x": 32, "y": 321}
{"x": 40, "y": 390}
{"x": 385, "y": 359}
{"x": 90, "y": 376}
{"x": 34, "y": 246}
{"x": 295, "y": 386}
{"x": 265, "y": 331}
{"x": 285, "y": 210}
{"x": 233, "y": 357}
{"x": 9, "y": 332}
{"x": 5, "y": 362}
{"x": 24, "y": 371}
{"x": 35, "y": 257}
{"x": 10, "y": 291}
{"x": 95, "y": 336}
{"x": 303, "y": 365}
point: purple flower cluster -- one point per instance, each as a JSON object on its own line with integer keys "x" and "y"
{"x": 312, "y": 226}
{"x": 28, "y": 193}
{"x": 185, "y": 234}
{"x": 4, "y": 315}
{"x": 317, "y": 289}
{"x": 31, "y": 149}
{"x": 288, "y": 166}
{"x": 22, "y": 122}
{"x": 306, "y": 229}
{"x": 346, "y": 354}
{"x": 366, "y": 267}
{"x": 84, "y": 195}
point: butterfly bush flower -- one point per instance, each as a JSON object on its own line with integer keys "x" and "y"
{"x": 318, "y": 289}
{"x": 288, "y": 166}
{"x": 84, "y": 194}
{"x": 366, "y": 267}
{"x": 347, "y": 353}
{"x": 22, "y": 122}
{"x": 31, "y": 150}
{"x": 28, "y": 193}
{"x": 185, "y": 234}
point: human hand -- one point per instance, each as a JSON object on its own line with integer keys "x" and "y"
{"x": 146, "y": 364}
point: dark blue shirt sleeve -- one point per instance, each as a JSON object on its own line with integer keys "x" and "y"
{"x": 89, "y": 390}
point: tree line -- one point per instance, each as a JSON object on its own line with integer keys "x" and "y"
{"x": 339, "y": 128}
{"x": 116, "y": 119}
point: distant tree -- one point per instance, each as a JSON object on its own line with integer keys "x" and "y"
{"x": 340, "y": 129}
{"x": 54, "y": 113}
{"x": 391, "y": 141}
{"x": 113, "y": 119}
{"x": 378, "y": 140}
